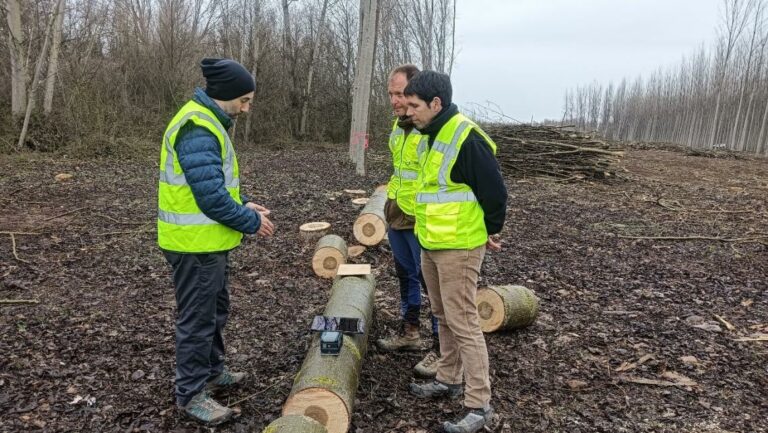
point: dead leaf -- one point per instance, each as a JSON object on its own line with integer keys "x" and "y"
{"x": 689, "y": 360}
{"x": 63, "y": 177}
{"x": 678, "y": 378}
{"x": 576, "y": 384}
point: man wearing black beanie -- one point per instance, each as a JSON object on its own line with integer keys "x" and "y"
{"x": 201, "y": 217}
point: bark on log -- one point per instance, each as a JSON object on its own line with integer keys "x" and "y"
{"x": 506, "y": 307}
{"x": 295, "y": 424}
{"x": 330, "y": 252}
{"x": 324, "y": 388}
{"x": 371, "y": 226}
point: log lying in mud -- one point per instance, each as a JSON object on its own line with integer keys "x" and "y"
{"x": 330, "y": 253}
{"x": 506, "y": 307}
{"x": 371, "y": 226}
{"x": 324, "y": 389}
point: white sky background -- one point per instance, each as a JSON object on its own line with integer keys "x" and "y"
{"x": 524, "y": 54}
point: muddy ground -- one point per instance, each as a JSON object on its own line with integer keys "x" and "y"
{"x": 627, "y": 340}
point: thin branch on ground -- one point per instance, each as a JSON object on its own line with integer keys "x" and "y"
{"x": 13, "y": 247}
{"x": 18, "y": 301}
{"x": 758, "y": 239}
{"x": 65, "y": 213}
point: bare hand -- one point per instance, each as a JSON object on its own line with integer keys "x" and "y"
{"x": 494, "y": 243}
{"x": 267, "y": 228}
{"x": 258, "y": 208}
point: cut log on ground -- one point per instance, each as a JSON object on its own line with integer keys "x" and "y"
{"x": 312, "y": 232}
{"x": 324, "y": 388}
{"x": 330, "y": 253}
{"x": 371, "y": 226}
{"x": 360, "y": 201}
{"x": 506, "y": 307}
{"x": 295, "y": 424}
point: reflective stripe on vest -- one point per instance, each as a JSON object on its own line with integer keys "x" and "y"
{"x": 448, "y": 215}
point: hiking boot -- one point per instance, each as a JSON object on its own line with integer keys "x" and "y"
{"x": 409, "y": 339}
{"x": 203, "y": 409}
{"x": 225, "y": 380}
{"x": 473, "y": 421}
{"x": 428, "y": 366}
{"x": 435, "y": 389}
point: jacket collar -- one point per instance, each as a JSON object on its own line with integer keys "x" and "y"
{"x": 439, "y": 121}
{"x": 203, "y": 99}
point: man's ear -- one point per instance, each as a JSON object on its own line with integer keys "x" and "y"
{"x": 436, "y": 104}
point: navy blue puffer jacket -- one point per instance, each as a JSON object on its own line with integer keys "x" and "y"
{"x": 200, "y": 158}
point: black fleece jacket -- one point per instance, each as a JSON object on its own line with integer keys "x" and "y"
{"x": 476, "y": 166}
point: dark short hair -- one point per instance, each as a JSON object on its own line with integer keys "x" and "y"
{"x": 410, "y": 70}
{"x": 430, "y": 84}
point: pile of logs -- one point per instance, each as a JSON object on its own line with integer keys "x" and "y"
{"x": 552, "y": 152}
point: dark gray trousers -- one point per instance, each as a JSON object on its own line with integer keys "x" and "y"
{"x": 202, "y": 304}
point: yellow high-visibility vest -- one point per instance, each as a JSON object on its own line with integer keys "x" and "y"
{"x": 181, "y": 225}
{"x": 448, "y": 215}
{"x": 405, "y": 161}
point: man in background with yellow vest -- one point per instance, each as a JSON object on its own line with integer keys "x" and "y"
{"x": 399, "y": 209}
{"x": 201, "y": 217}
{"x": 460, "y": 201}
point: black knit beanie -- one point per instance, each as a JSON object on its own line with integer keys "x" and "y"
{"x": 226, "y": 79}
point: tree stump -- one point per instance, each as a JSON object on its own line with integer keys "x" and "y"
{"x": 312, "y": 232}
{"x": 371, "y": 226}
{"x": 506, "y": 307}
{"x": 294, "y": 424}
{"x": 330, "y": 252}
{"x": 324, "y": 389}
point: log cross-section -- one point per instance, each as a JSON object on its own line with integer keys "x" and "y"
{"x": 330, "y": 253}
{"x": 371, "y": 226}
{"x": 294, "y": 424}
{"x": 324, "y": 389}
{"x": 506, "y": 307}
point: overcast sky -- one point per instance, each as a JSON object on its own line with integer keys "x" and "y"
{"x": 524, "y": 54}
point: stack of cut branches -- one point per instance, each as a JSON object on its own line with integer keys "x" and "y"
{"x": 555, "y": 152}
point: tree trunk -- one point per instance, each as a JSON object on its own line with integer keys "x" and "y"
{"x": 255, "y": 51}
{"x": 506, "y": 307}
{"x": 53, "y": 60}
{"x": 36, "y": 79}
{"x": 294, "y": 424}
{"x": 19, "y": 76}
{"x": 361, "y": 94}
{"x": 310, "y": 74}
{"x": 325, "y": 387}
{"x": 371, "y": 226}
{"x": 330, "y": 252}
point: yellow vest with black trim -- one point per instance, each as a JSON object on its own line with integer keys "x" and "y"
{"x": 181, "y": 225}
{"x": 448, "y": 215}
{"x": 405, "y": 160}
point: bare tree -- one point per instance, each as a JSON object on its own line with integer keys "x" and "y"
{"x": 358, "y": 135}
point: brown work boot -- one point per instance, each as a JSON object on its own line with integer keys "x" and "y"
{"x": 427, "y": 368}
{"x": 409, "y": 339}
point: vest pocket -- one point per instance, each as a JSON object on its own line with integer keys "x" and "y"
{"x": 442, "y": 221}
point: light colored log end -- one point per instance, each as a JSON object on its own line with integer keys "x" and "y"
{"x": 369, "y": 229}
{"x": 322, "y": 405}
{"x": 360, "y": 201}
{"x": 356, "y": 250}
{"x": 355, "y": 191}
{"x": 326, "y": 262}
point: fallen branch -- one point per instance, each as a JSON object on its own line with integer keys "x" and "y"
{"x": 758, "y": 239}
{"x": 65, "y": 213}
{"x": 724, "y": 322}
{"x": 18, "y": 301}
{"x": 13, "y": 247}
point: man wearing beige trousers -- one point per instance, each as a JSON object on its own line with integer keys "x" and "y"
{"x": 460, "y": 201}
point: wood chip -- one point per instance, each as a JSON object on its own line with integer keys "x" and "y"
{"x": 360, "y": 200}
{"x": 355, "y": 191}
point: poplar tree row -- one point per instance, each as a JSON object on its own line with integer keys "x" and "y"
{"x": 715, "y": 98}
